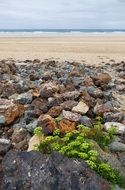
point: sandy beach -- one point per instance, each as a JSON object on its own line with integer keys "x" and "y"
{"x": 89, "y": 49}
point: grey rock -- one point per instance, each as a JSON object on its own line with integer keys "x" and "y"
{"x": 84, "y": 120}
{"x": 31, "y": 126}
{"x": 95, "y": 92}
{"x": 113, "y": 117}
{"x": 71, "y": 95}
{"x": 2, "y": 120}
{"x": 4, "y": 145}
{"x": 71, "y": 116}
{"x": 117, "y": 147}
{"x": 25, "y": 98}
{"x": 33, "y": 170}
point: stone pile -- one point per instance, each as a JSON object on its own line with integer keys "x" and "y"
{"x": 35, "y": 93}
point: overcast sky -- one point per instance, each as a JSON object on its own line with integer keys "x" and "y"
{"x": 44, "y": 14}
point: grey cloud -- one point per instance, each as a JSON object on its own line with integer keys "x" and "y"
{"x": 62, "y": 14}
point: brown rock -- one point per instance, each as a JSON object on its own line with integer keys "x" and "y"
{"x": 101, "y": 109}
{"x": 55, "y": 111}
{"x": 10, "y": 111}
{"x": 88, "y": 81}
{"x": 71, "y": 95}
{"x": 90, "y": 101}
{"x": 8, "y": 90}
{"x": 39, "y": 105}
{"x": 19, "y": 135}
{"x": 66, "y": 126}
{"x": 48, "y": 89}
{"x": 7, "y": 67}
{"x": 36, "y": 61}
{"x": 47, "y": 123}
{"x": 104, "y": 78}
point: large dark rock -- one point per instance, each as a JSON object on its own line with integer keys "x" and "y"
{"x": 33, "y": 170}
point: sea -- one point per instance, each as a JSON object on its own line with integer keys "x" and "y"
{"x": 57, "y": 32}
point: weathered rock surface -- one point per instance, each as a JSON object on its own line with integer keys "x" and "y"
{"x": 25, "y": 98}
{"x": 66, "y": 126}
{"x": 4, "y": 145}
{"x": 117, "y": 147}
{"x": 71, "y": 116}
{"x": 32, "y": 170}
{"x": 10, "y": 111}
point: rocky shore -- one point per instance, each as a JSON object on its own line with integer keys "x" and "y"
{"x": 35, "y": 93}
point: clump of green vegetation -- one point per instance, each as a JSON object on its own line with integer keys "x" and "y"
{"x": 77, "y": 144}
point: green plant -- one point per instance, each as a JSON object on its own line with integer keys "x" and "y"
{"x": 76, "y": 144}
{"x": 38, "y": 131}
{"x": 59, "y": 118}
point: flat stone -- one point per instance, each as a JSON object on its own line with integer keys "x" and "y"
{"x": 35, "y": 140}
{"x": 71, "y": 116}
{"x": 71, "y": 95}
{"x": 81, "y": 108}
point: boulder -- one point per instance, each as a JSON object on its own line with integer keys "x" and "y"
{"x": 33, "y": 170}
{"x": 10, "y": 111}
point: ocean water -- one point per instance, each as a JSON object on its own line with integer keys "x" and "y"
{"x": 70, "y": 32}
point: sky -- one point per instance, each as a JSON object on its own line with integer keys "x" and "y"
{"x": 62, "y": 14}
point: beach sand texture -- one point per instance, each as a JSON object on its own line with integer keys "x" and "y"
{"x": 91, "y": 49}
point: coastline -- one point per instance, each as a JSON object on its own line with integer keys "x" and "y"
{"x": 90, "y": 49}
